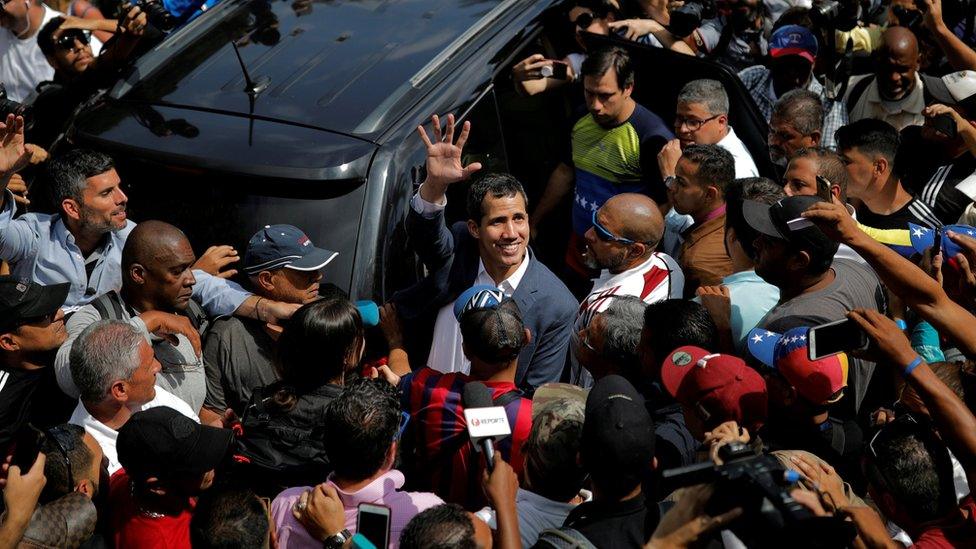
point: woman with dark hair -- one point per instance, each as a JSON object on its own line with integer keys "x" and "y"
{"x": 284, "y": 423}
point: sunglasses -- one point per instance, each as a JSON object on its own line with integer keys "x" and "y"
{"x": 904, "y": 423}
{"x": 584, "y": 21}
{"x": 67, "y": 40}
{"x": 607, "y": 236}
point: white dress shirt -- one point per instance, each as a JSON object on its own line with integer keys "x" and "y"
{"x": 745, "y": 166}
{"x": 446, "y": 354}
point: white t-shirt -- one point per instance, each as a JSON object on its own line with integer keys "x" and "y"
{"x": 745, "y": 166}
{"x": 106, "y": 436}
{"x": 22, "y": 65}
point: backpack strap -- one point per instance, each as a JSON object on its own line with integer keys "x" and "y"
{"x": 858, "y": 90}
{"x": 109, "y": 306}
{"x": 198, "y": 318}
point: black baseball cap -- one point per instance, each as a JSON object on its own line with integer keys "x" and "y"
{"x": 783, "y": 221}
{"x": 618, "y": 432}
{"x": 161, "y": 440}
{"x": 278, "y": 246}
{"x": 23, "y": 300}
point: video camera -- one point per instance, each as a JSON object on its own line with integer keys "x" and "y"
{"x": 688, "y": 17}
{"x": 842, "y": 15}
{"x": 761, "y": 486}
{"x": 157, "y": 15}
{"x": 9, "y": 106}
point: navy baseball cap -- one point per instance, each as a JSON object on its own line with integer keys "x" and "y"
{"x": 278, "y": 246}
{"x": 22, "y": 300}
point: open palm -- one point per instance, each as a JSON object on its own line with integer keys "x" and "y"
{"x": 444, "y": 155}
{"x": 13, "y": 155}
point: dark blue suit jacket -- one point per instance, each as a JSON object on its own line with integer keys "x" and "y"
{"x": 451, "y": 256}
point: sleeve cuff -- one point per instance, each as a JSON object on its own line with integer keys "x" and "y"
{"x": 426, "y": 209}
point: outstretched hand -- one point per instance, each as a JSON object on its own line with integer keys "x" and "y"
{"x": 444, "y": 158}
{"x": 14, "y": 156}
{"x": 834, "y": 220}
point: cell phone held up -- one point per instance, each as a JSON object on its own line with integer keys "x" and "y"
{"x": 27, "y": 445}
{"x": 841, "y": 336}
{"x": 944, "y": 124}
{"x": 558, "y": 70}
{"x": 373, "y": 522}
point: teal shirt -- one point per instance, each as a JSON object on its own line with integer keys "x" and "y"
{"x": 751, "y": 298}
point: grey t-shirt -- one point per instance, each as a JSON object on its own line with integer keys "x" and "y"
{"x": 238, "y": 355}
{"x": 854, "y": 286}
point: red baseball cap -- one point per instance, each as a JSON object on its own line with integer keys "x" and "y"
{"x": 718, "y": 387}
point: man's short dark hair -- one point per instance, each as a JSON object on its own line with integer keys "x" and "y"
{"x": 917, "y": 471}
{"x": 759, "y": 189}
{"x": 69, "y": 172}
{"x": 675, "y": 323}
{"x": 361, "y": 423}
{"x": 803, "y": 109}
{"x": 716, "y": 166}
{"x": 228, "y": 519}
{"x": 498, "y": 185}
{"x": 446, "y": 526}
{"x": 45, "y": 36}
{"x": 494, "y": 335}
{"x": 79, "y": 458}
{"x": 603, "y": 60}
{"x": 830, "y": 167}
{"x": 870, "y": 136}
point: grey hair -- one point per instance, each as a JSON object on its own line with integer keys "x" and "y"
{"x": 803, "y": 109}
{"x": 104, "y": 353}
{"x": 623, "y": 321}
{"x": 706, "y": 91}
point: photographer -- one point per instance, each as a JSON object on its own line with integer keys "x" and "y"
{"x": 78, "y": 74}
{"x": 729, "y": 31}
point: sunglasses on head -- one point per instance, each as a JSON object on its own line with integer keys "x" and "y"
{"x": 67, "y": 40}
{"x": 584, "y": 20}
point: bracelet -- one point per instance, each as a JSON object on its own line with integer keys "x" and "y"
{"x": 257, "y": 309}
{"x": 911, "y": 366}
{"x": 902, "y": 325}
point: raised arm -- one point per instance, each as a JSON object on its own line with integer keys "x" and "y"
{"x": 900, "y": 275}
{"x": 960, "y": 56}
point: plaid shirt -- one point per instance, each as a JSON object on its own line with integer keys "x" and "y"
{"x": 758, "y": 80}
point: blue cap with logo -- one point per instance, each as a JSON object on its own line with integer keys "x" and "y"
{"x": 278, "y": 246}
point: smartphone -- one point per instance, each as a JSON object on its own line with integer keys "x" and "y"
{"x": 835, "y": 337}
{"x": 560, "y": 70}
{"x": 944, "y": 124}
{"x": 27, "y": 444}
{"x": 373, "y": 522}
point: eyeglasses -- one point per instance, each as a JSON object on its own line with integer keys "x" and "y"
{"x": 65, "y": 443}
{"x": 693, "y": 124}
{"x": 584, "y": 20}
{"x": 607, "y": 236}
{"x": 67, "y": 40}
{"x": 404, "y": 420}
{"x": 902, "y": 424}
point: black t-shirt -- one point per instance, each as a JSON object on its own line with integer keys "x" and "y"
{"x": 612, "y": 525}
{"x": 947, "y": 185}
{"x": 915, "y": 211}
{"x": 30, "y": 396}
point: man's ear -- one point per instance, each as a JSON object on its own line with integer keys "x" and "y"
{"x": 473, "y": 229}
{"x": 86, "y": 487}
{"x": 528, "y": 336}
{"x": 119, "y": 390}
{"x": 835, "y": 192}
{"x": 816, "y": 137}
{"x": 9, "y": 343}
{"x": 881, "y": 165}
{"x": 137, "y": 273}
{"x": 712, "y": 193}
{"x": 265, "y": 281}
{"x": 71, "y": 208}
{"x": 654, "y": 464}
{"x": 799, "y": 260}
{"x": 723, "y": 119}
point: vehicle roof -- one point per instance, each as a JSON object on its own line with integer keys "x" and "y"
{"x": 345, "y": 66}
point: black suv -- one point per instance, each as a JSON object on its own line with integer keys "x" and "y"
{"x": 304, "y": 113}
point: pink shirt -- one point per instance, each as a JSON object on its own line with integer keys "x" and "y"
{"x": 382, "y": 491}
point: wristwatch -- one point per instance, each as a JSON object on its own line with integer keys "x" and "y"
{"x": 668, "y": 181}
{"x": 336, "y": 541}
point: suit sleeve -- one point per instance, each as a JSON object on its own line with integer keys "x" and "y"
{"x": 434, "y": 243}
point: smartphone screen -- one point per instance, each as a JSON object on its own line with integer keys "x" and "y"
{"x": 835, "y": 337}
{"x": 373, "y": 522}
{"x": 27, "y": 445}
{"x": 560, "y": 70}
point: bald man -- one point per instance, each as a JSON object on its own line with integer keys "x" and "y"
{"x": 621, "y": 243}
{"x": 157, "y": 282}
{"x": 895, "y": 92}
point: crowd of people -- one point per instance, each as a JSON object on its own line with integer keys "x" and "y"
{"x": 715, "y": 356}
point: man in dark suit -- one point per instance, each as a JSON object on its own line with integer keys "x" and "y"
{"x": 490, "y": 248}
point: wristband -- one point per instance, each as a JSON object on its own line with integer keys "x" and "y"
{"x": 911, "y": 366}
{"x": 902, "y": 325}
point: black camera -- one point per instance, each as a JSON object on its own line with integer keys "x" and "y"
{"x": 842, "y": 15}
{"x": 157, "y": 15}
{"x": 761, "y": 486}
{"x": 688, "y": 17}
{"x": 9, "y": 106}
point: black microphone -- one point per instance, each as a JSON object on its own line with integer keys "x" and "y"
{"x": 476, "y": 395}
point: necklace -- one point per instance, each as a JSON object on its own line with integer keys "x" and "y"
{"x": 142, "y": 510}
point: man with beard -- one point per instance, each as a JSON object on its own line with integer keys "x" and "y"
{"x": 895, "y": 91}
{"x": 31, "y": 329}
{"x": 157, "y": 284}
{"x": 621, "y": 243}
{"x": 614, "y": 150}
{"x": 22, "y": 64}
{"x": 82, "y": 243}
